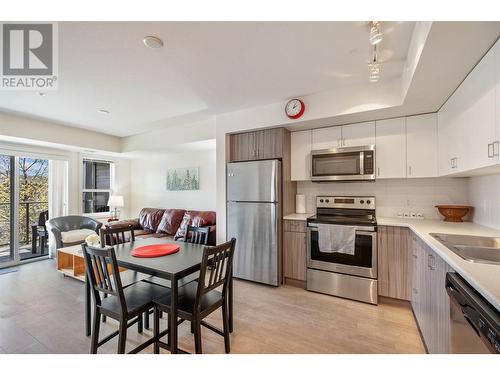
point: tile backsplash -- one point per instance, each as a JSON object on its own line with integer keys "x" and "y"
{"x": 393, "y": 196}
{"x": 484, "y": 195}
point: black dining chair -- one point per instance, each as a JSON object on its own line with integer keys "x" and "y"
{"x": 40, "y": 234}
{"x": 112, "y": 237}
{"x": 198, "y": 299}
{"x": 126, "y": 305}
{"x": 197, "y": 235}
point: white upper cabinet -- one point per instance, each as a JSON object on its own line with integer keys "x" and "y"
{"x": 361, "y": 134}
{"x": 478, "y": 114}
{"x": 353, "y": 135}
{"x": 421, "y": 146}
{"x": 496, "y": 143}
{"x": 449, "y": 135}
{"x": 466, "y": 122}
{"x": 324, "y": 138}
{"x": 390, "y": 150}
{"x": 301, "y": 155}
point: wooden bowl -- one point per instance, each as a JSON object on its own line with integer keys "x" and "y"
{"x": 453, "y": 212}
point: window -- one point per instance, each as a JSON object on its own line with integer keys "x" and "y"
{"x": 97, "y": 183}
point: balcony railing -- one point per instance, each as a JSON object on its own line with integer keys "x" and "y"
{"x": 28, "y": 216}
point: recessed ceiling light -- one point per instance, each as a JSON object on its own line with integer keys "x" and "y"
{"x": 41, "y": 93}
{"x": 152, "y": 42}
{"x": 103, "y": 111}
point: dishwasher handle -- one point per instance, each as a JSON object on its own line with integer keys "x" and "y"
{"x": 471, "y": 315}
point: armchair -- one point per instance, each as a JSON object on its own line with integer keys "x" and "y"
{"x": 72, "y": 230}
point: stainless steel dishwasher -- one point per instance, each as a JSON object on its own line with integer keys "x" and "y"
{"x": 474, "y": 323}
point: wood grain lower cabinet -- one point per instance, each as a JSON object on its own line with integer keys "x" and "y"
{"x": 295, "y": 252}
{"x": 394, "y": 262}
{"x": 430, "y": 302}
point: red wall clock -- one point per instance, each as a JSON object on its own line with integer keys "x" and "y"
{"x": 295, "y": 108}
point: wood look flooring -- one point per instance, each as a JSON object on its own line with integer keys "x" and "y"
{"x": 42, "y": 312}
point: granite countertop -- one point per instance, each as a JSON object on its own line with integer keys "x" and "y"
{"x": 300, "y": 217}
{"x": 485, "y": 278}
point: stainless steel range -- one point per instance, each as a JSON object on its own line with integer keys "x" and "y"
{"x": 342, "y": 248}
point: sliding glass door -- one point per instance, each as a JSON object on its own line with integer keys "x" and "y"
{"x": 33, "y": 207}
{"x": 24, "y": 193}
{"x": 7, "y": 253}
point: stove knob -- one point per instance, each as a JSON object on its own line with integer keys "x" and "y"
{"x": 327, "y": 201}
{"x": 362, "y": 201}
{"x": 368, "y": 201}
{"x": 321, "y": 201}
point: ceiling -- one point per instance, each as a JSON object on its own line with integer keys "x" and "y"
{"x": 441, "y": 68}
{"x": 204, "y": 68}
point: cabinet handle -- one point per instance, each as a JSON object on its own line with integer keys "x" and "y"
{"x": 496, "y": 147}
{"x": 490, "y": 150}
{"x": 378, "y": 172}
{"x": 431, "y": 259}
{"x": 409, "y": 170}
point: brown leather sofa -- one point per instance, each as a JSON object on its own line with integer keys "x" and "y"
{"x": 168, "y": 223}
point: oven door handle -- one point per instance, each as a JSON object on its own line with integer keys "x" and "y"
{"x": 361, "y": 232}
{"x": 365, "y": 233}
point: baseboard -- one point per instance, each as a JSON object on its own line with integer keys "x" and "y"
{"x": 296, "y": 283}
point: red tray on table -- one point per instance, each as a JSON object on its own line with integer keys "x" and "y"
{"x": 153, "y": 251}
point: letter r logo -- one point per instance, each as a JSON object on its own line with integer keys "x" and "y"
{"x": 27, "y": 49}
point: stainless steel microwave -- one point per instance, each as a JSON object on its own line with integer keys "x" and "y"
{"x": 343, "y": 164}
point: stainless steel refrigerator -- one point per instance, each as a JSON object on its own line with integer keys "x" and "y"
{"x": 254, "y": 219}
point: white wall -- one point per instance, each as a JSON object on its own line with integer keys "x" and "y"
{"x": 484, "y": 195}
{"x": 149, "y": 177}
{"x": 393, "y": 196}
{"x": 172, "y": 138}
{"x": 22, "y": 129}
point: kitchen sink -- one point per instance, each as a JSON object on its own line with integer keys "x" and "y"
{"x": 472, "y": 248}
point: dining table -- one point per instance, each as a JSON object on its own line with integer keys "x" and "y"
{"x": 172, "y": 267}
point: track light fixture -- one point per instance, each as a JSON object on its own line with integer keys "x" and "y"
{"x": 374, "y": 66}
{"x": 375, "y": 33}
